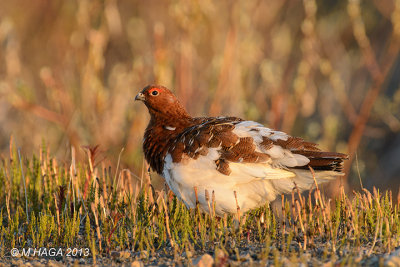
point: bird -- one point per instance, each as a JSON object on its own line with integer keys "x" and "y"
{"x": 243, "y": 163}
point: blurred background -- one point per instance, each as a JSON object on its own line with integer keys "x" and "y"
{"x": 328, "y": 71}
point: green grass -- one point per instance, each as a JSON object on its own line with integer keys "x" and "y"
{"x": 88, "y": 205}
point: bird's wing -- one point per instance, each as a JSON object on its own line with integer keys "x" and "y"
{"x": 228, "y": 144}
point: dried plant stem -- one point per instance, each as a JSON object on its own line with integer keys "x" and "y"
{"x": 213, "y": 202}
{"x": 58, "y": 214}
{"x": 283, "y": 214}
{"x": 207, "y": 196}
{"x": 8, "y": 205}
{"x": 237, "y": 206}
{"x": 97, "y": 224}
{"x": 167, "y": 222}
{"x": 294, "y": 212}
{"x": 73, "y": 175}
{"x": 196, "y": 196}
{"x": 318, "y": 193}
{"x": 378, "y": 223}
{"x": 116, "y": 171}
{"x": 23, "y": 180}
{"x": 301, "y": 224}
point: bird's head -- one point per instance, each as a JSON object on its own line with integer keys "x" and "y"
{"x": 161, "y": 102}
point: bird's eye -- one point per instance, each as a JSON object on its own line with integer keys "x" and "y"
{"x": 155, "y": 92}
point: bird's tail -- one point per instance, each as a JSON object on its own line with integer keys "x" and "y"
{"x": 326, "y": 166}
{"x": 323, "y": 161}
{"x": 304, "y": 180}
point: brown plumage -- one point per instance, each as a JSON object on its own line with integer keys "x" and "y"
{"x": 179, "y": 146}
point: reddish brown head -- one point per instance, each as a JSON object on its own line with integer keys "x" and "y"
{"x": 168, "y": 119}
{"x": 161, "y": 103}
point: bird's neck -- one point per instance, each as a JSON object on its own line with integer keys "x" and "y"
{"x": 173, "y": 116}
{"x": 159, "y": 134}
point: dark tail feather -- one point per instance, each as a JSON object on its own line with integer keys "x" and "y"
{"x": 327, "y": 161}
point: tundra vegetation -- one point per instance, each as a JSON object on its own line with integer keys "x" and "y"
{"x": 111, "y": 211}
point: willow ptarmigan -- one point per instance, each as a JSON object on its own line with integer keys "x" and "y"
{"x": 227, "y": 155}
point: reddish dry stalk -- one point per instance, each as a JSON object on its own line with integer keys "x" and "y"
{"x": 318, "y": 194}
{"x": 294, "y": 213}
{"x": 303, "y": 210}
{"x": 262, "y": 218}
{"x": 207, "y": 196}
{"x": 283, "y": 214}
{"x": 388, "y": 234}
{"x": 225, "y": 220}
{"x": 11, "y": 148}
{"x": 137, "y": 190}
{"x": 368, "y": 196}
{"x": 197, "y": 208}
{"x": 167, "y": 222}
{"x": 73, "y": 176}
{"x": 301, "y": 224}
{"x": 8, "y": 205}
{"x": 299, "y": 194}
{"x": 196, "y": 196}
{"x": 117, "y": 217}
{"x": 237, "y": 206}
{"x": 85, "y": 189}
{"x": 129, "y": 182}
{"x": 58, "y": 214}
{"x": 213, "y": 203}
{"x": 398, "y": 195}
{"x": 342, "y": 193}
{"x": 321, "y": 205}
{"x": 97, "y": 224}
{"x": 310, "y": 202}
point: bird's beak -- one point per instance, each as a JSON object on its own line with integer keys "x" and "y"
{"x": 140, "y": 97}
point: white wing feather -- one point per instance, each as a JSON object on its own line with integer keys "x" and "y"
{"x": 279, "y": 155}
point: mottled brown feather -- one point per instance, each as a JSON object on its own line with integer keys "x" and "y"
{"x": 244, "y": 151}
{"x": 296, "y": 143}
{"x": 266, "y": 143}
{"x": 223, "y": 166}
